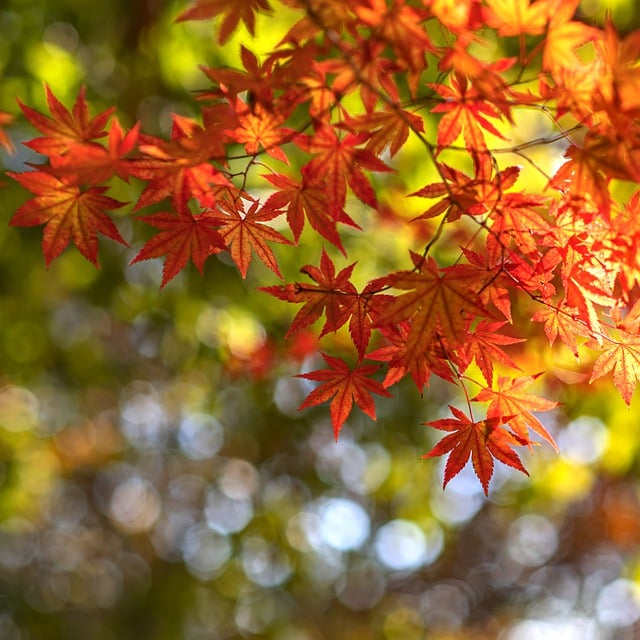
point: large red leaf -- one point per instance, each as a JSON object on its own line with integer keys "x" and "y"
{"x": 182, "y": 236}
{"x": 482, "y": 440}
{"x": 343, "y": 386}
{"x": 247, "y": 232}
{"x": 68, "y": 214}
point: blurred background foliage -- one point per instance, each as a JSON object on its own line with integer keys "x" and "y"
{"x": 156, "y": 480}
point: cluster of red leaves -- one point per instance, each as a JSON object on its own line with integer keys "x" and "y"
{"x": 570, "y": 252}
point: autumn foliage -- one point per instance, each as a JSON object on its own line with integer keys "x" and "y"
{"x": 321, "y": 125}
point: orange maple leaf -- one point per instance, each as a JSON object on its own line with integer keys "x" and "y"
{"x": 438, "y": 302}
{"x": 516, "y": 17}
{"x": 345, "y": 386}
{"x": 365, "y": 67}
{"x": 66, "y": 128}
{"x": 482, "y": 440}
{"x": 565, "y": 37}
{"x": 388, "y": 128}
{"x": 561, "y": 322}
{"x": 68, "y": 214}
{"x": 509, "y": 399}
{"x": 235, "y": 11}
{"x": 308, "y": 198}
{"x": 400, "y": 26}
{"x": 402, "y": 361}
{"x": 246, "y": 232}
{"x": 464, "y": 111}
{"x": 182, "y": 236}
{"x": 622, "y": 357}
{"x": 484, "y": 345}
{"x": 261, "y": 128}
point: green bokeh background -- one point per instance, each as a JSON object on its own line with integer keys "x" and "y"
{"x": 156, "y": 482}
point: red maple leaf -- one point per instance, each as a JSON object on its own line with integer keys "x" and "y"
{"x": 182, "y": 236}
{"x": 439, "y": 302}
{"x": 340, "y": 161}
{"x": 246, "y": 232}
{"x": 332, "y": 296}
{"x": 345, "y": 386}
{"x": 482, "y": 440}
{"x": 65, "y": 128}
{"x": 68, "y": 214}
{"x": 402, "y": 360}
{"x": 92, "y": 163}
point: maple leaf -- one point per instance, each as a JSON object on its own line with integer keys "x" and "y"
{"x": 533, "y": 273}
{"x": 516, "y": 17}
{"x": 402, "y": 361}
{"x": 261, "y": 128}
{"x": 259, "y": 80}
{"x": 458, "y": 16}
{"x": 345, "y": 386}
{"x": 586, "y": 284}
{"x": 482, "y": 440}
{"x": 68, "y": 214}
{"x": 439, "y": 302}
{"x": 388, "y": 128}
{"x": 65, "y": 128}
{"x": 92, "y": 163}
{"x": 465, "y": 195}
{"x": 400, "y": 26}
{"x": 235, "y": 11}
{"x": 181, "y": 168}
{"x": 561, "y": 322}
{"x": 464, "y": 111}
{"x": 622, "y": 57}
{"x": 366, "y": 68}
{"x": 246, "y": 232}
{"x": 509, "y": 399}
{"x": 182, "y": 236}
{"x": 330, "y": 296}
{"x": 339, "y": 161}
{"x": 622, "y": 357}
{"x": 584, "y": 171}
{"x": 364, "y": 310}
{"x": 308, "y": 198}
{"x": 483, "y": 345}
{"x": 565, "y": 37}
{"x": 515, "y": 218}
{"x": 495, "y": 293}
